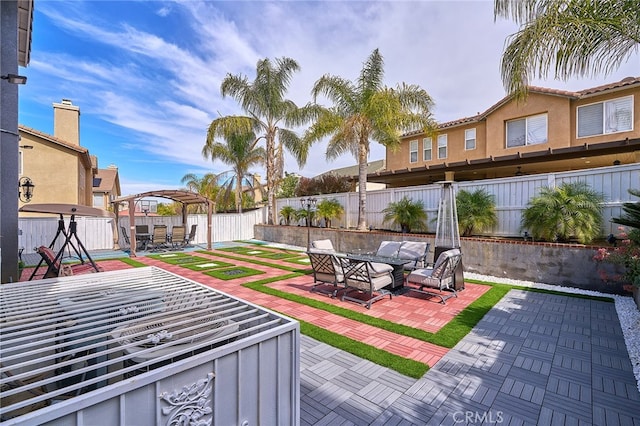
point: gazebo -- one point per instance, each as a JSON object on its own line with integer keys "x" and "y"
{"x": 184, "y": 197}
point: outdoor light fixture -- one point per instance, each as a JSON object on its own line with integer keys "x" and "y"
{"x": 25, "y": 189}
{"x": 15, "y": 78}
{"x": 25, "y": 146}
{"x": 308, "y": 203}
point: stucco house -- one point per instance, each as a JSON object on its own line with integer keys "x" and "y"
{"x": 553, "y": 130}
{"x": 62, "y": 170}
{"x": 106, "y": 186}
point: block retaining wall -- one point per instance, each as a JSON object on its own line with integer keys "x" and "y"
{"x": 568, "y": 265}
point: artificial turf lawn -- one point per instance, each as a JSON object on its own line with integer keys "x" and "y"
{"x": 232, "y": 273}
{"x": 448, "y": 336}
{"x": 205, "y": 265}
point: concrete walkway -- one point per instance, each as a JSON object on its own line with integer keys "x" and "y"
{"x": 534, "y": 359}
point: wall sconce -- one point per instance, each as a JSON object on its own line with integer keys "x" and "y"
{"x": 146, "y": 212}
{"x": 25, "y": 189}
{"x": 14, "y": 78}
{"x": 616, "y": 162}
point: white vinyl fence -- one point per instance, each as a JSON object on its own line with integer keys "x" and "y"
{"x": 98, "y": 233}
{"x": 511, "y": 196}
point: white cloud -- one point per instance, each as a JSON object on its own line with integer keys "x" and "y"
{"x": 163, "y": 93}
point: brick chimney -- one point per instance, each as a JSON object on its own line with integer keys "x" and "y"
{"x": 66, "y": 122}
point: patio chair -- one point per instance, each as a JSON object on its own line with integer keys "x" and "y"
{"x": 177, "y": 237}
{"x": 388, "y": 248}
{"x": 368, "y": 278}
{"x": 326, "y": 245}
{"x": 55, "y": 268}
{"x": 125, "y": 236}
{"x": 327, "y": 270}
{"x": 441, "y": 277}
{"x": 159, "y": 238}
{"x": 192, "y": 235}
{"x": 416, "y": 254}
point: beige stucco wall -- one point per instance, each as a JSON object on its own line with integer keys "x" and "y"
{"x": 491, "y": 131}
{"x": 58, "y": 173}
{"x": 635, "y": 133}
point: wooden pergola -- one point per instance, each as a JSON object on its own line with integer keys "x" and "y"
{"x": 184, "y": 197}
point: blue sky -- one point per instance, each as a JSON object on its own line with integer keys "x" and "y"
{"x": 146, "y": 74}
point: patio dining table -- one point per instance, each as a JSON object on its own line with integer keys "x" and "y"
{"x": 396, "y": 263}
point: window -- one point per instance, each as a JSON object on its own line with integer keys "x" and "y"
{"x": 413, "y": 151}
{"x": 470, "y": 139}
{"x": 442, "y": 146}
{"x": 426, "y": 149}
{"x": 20, "y": 163}
{"x": 527, "y": 131}
{"x": 605, "y": 117}
{"x": 98, "y": 200}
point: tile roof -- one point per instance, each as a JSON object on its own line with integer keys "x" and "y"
{"x": 628, "y": 81}
{"x": 53, "y": 139}
{"x": 106, "y": 179}
{"x": 351, "y": 171}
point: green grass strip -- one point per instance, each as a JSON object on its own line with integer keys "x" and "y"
{"x": 257, "y": 262}
{"x": 132, "y": 262}
{"x": 205, "y": 265}
{"x": 402, "y": 365}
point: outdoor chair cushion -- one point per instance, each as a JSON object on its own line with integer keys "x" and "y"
{"x": 415, "y": 252}
{"x": 389, "y": 248}
{"x": 323, "y": 244}
{"x": 378, "y": 269}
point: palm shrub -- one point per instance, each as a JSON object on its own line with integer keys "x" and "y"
{"x": 287, "y": 213}
{"x": 476, "y": 211}
{"x": 407, "y": 214}
{"x": 329, "y": 210}
{"x": 571, "y": 211}
{"x": 305, "y": 214}
{"x": 631, "y": 217}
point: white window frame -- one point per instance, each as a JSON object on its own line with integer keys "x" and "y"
{"x": 99, "y": 196}
{"x": 413, "y": 151}
{"x": 468, "y": 138}
{"x": 527, "y": 133}
{"x": 20, "y": 165}
{"x": 605, "y": 122}
{"x": 442, "y": 144}
{"x": 427, "y": 147}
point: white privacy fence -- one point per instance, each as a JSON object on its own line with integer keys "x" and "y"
{"x": 98, "y": 233}
{"x": 511, "y": 197}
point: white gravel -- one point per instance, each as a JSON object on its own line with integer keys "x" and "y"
{"x": 628, "y": 313}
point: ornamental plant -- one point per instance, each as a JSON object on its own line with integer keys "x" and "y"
{"x": 626, "y": 253}
{"x": 407, "y": 214}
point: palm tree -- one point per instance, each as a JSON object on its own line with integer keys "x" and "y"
{"x": 206, "y": 186}
{"x": 572, "y": 210}
{"x": 407, "y": 214}
{"x": 476, "y": 211}
{"x": 631, "y": 217}
{"x": 287, "y": 213}
{"x": 578, "y": 37}
{"x": 238, "y": 150}
{"x": 329, "y": 210}
{"x": 367, "y": 110}
{"x": 269, "y": 114}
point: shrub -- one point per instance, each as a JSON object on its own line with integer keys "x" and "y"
{"x": 570, "y": 211}
{"x": 329, "y": 210}
{"x": 407, "y": 214}
{"x": 476, "y": 211}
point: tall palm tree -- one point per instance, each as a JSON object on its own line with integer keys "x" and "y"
{"x": 572, "y": 37}
{"x": 206, "y": 186}
{"x": 367, "y": 110}
{"x": 238, "y": 150}
{"x": 269, "y": 114}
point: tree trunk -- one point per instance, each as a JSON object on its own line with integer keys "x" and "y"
{"x": 271, "y": 177}
{"x": 363, "y": 152}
